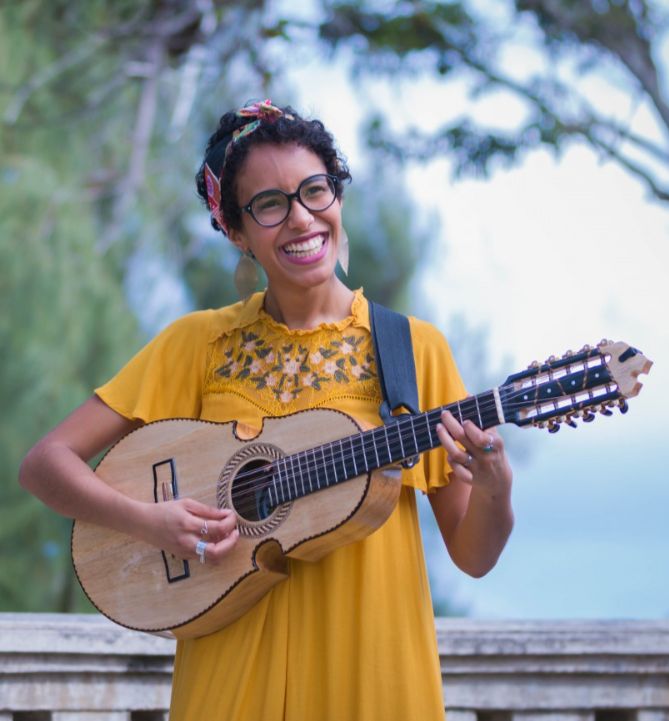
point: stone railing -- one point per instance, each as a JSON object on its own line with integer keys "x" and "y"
{"x": 83, "y": 668}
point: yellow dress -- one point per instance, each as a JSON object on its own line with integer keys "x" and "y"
{"x": 350, "y": 637}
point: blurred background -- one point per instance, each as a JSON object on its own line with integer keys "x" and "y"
{"x": 511, "y": 184}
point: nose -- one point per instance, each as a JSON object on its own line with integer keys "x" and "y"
{"x": 299, "y": 216}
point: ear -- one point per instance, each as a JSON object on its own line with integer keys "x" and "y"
{"x": 237, "y": 239}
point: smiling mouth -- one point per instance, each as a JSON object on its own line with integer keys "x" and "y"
{"x": 305, "y": 248}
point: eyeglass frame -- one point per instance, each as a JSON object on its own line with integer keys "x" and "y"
{"x": 292, "y": 196}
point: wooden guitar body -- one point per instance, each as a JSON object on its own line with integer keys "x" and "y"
{"x": 143, "y": 588}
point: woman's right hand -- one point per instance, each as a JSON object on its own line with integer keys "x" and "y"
{"x": 177, "y": 526}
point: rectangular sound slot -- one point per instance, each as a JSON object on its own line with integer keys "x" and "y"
{"x": 165, "y": 488}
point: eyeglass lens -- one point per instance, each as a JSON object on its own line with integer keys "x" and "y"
{"x": 272, "y": 207}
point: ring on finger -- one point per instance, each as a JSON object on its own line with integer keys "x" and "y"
{"x": 201, "y": 549}
{"x": 205, "y": 528}
{"x": 491, "y": 444}
{"x": 468, "y": 461}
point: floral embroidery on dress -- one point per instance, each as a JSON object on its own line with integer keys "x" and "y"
{"x": 287, "y": 371}
{"x": 290, "y": 368}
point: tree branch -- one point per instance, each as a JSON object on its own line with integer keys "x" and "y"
{"x": 141, "y": 140}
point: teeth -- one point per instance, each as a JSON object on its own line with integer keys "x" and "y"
{"x": 305, "y": 248}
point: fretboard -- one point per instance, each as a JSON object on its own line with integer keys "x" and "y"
{"x": 305, "y": 472}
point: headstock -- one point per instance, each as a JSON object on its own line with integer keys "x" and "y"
{"x": 577, "y": 385}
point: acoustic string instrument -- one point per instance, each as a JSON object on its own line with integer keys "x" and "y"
{"x": 304, "y": 485}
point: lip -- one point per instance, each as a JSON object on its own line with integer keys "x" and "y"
{"x": 306, "y": 260}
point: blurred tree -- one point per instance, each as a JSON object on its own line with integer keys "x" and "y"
{"x": 104, "y": 112}
{"x": 65, "y": 328}
{"x": 565, "y": 70}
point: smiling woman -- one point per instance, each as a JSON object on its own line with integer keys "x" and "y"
{"x": 339, "y": 631}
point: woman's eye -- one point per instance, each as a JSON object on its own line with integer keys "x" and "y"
{"x": 313, "y": 189}
{"x": 269, "y": 202}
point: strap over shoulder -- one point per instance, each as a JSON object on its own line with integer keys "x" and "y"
{"x": 394, "y": 357}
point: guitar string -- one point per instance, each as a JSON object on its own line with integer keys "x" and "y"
{"x": 484, "y": 407}
{"x": 253, "y": 479}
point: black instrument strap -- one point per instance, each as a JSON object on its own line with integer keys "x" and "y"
{"x": 394, "y": 360}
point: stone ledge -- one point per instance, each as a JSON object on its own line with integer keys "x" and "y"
{"x": 85, "y": 668}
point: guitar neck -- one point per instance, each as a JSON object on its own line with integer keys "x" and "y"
{"x": 308, "y": 471}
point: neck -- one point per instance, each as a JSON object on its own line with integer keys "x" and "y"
{"x": 305, "y": 308}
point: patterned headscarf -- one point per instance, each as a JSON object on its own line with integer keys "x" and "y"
{"x": 254, "y": 114}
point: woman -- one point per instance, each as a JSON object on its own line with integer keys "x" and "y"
{"x": 350, "y": 636}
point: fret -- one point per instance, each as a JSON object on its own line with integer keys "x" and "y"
{"x": 311, "y": 485}
{"x": 285, "y": 478}
{"x": 275, "y": 500}
{"x": 304, "y": 488}
{"x": 295, "y": 461}
{"x": 395, "y": 450}
{"x": 478, "y": 411}
{"x": 390, "y": 453}
{"x": 460, "y": 412}
{"x": 399, "y": 435}
{"x": 298, "y": 458}
{"x": 376, "y": 453}
{"x": 429, "y": 429}
{"x": 313, "y": 465}
{"x": 381, "y": 435}
{"x": 413, "y": 433}
{"x": 282, "y": 482}
{"x": 343, "y": 461}
{"x": 355, "y": 465}
{"x": 325, "y": 467}
{"x": 467, "y": 408}
{"x": 364, "y": 452}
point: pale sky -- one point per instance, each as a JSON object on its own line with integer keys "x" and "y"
{"x": 548, "y": 256}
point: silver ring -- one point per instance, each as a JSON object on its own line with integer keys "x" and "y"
{"x": 201, "y": 549}
{"x": 205, "y": 528}
{"x": 468, "y": 461}
{"x": 491, "y": 445}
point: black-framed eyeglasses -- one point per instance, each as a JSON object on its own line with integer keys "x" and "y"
{"x": 272, "y": 207}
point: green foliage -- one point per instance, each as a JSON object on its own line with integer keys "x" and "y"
{"x": 617, "y": 43}
{"x": 97, "y": 166}
{"x": 65, "y": 330}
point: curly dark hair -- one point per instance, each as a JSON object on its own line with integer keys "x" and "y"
{"x": 288, "y": 128}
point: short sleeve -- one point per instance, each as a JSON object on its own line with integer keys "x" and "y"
{"x": 165, "y": 379}
{"x": 439, "y": 383}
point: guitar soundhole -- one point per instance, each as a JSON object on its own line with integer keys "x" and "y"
{"x": 250, "y": 491}
{"x": 244, "y": 485}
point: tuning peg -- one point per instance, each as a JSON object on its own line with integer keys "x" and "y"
{"x": 622, "y": 405}
{"x": 568, "y": 354}
{"x": 588, "y": 416}
{"x": 551, "y": 359}
{"x": 605, "y": 411}
{"x": 585, "y": 348}
{"x": 553, "y": 427}
{"x": 571, "y": 422}
{"x": 533, "y": 364}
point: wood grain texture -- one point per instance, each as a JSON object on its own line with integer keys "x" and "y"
{"x": 126, "y": 579}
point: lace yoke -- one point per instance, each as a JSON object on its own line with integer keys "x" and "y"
{"x": 281, "y": 371}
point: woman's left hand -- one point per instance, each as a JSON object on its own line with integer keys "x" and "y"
{"x": 476, "y": 457}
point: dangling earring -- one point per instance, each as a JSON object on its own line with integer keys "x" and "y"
{"x": 342, "y": 251}
{"x": 246, "y": 275}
